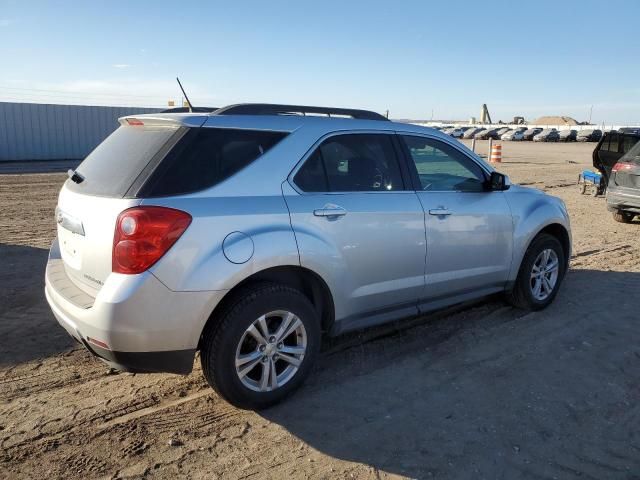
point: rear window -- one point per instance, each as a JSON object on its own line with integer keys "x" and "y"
{"x": 112, "y": 167}
{"x": 205, "y": 157}
{"x": 633, "y": 155}
{"x": 628, "y": 142}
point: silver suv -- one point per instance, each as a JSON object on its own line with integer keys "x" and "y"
{"x": 247, "y": 233}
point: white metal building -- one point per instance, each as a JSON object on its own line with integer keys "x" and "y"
{"x": 34, "y": 131}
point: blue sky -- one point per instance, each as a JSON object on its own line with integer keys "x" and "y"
{"x": 411, "y": 57}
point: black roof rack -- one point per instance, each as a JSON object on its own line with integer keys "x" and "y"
{"x": 272, "y": 109}
{"x": 186, "y": 110}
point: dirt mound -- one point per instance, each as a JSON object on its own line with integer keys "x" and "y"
{"x": 553, "y": 120}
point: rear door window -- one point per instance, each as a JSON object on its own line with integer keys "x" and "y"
{"x": 111, "y": 168}
{"x": 352, "y": 163}
{"x": 205, "y": 157}
{"x": 312, "y": 177}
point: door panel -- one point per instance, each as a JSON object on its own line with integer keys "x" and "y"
{"x": 469, "y": 249}
{"x": 469, "y": 229}
{"x": 372, "y": 254}
{"x": 359, "y": 226}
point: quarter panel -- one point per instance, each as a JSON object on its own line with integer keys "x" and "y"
{"x": 197, "y": 261}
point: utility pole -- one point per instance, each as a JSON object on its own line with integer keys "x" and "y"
{"x": 590, "y": 113}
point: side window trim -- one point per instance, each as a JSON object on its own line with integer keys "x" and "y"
{"x": 408, "y": 160}
{"x": 412, "y": 166}
{"x": 407, "y": 187}
{"x": 405, "y": 166}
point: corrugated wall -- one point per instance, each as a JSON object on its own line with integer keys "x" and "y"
{"x": 34, "y": 131}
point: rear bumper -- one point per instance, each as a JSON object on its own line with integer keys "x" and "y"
{"x": 623, "y": 200}
{"x": 135, "y": 323}
{"x": 170, "y": 361}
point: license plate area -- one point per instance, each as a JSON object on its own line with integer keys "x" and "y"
{"x": 70, "y": 248}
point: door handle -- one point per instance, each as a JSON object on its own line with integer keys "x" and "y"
{"x": 330, "y": 211}
{"x": 440, "y": 211}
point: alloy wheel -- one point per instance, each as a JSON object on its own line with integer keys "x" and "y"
{"x": 544, "y": 274}
{"x": 271, "y": 351}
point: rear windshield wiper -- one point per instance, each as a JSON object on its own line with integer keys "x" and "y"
{"x": 75, "y": 176}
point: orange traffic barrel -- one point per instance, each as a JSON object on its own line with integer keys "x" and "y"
{"x": 496, "y": 154}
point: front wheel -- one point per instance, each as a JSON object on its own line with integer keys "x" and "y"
{"x": 540, "y": 275}
{"x": 263, "y": 347}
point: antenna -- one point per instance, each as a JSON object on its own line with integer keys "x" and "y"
{"x": 185, "y": 96}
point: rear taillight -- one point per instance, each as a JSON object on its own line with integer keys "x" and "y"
{"x": 143, "y": 235}
{"x": 622, "y": 166}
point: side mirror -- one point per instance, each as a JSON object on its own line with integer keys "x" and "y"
{"x": 498, "y": 182}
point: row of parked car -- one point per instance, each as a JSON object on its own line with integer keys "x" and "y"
{"x": 523, "y": 133}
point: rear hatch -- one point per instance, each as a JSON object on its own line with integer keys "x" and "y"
{"x": 90, "y": 201}
{"x": 626, "y": 173}
{"x": 147, "y": 157}
{"x": 610, "y": 149}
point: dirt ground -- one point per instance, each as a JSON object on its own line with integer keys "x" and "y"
{"x": 477, "y": 391}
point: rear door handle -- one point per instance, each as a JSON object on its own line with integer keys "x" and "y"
{"x": 440, "y": 211}
{"x": 330, "y": 211}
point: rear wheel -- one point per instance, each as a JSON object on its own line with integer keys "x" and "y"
{"x": 540, "y": 275}
{"x": 622, "y": 216}
{"x": 263, "y": 346}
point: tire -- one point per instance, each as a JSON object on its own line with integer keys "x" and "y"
{"x": 221, "y": 343}
{"x": 623, "y": 217}
{"x": 522, "y": 296}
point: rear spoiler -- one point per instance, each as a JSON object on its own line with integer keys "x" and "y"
{"x": 164, "y": 120}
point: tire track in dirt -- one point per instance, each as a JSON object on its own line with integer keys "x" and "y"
{"x": 142, "y": 412}
{"x": 27, "y": 385}
{"x": 612, "y": 256}
{"x": 69, "y": 369}
{"x": 39, "y": 442}
{"x": 134, "y": 427}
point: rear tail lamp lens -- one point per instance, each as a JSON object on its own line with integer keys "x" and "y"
{"x": 622, "y": 166}
{"x": 143, "y": 235}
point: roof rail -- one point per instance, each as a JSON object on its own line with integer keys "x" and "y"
{"x": 186, "y": 110}
{"x": 273, "y": 109}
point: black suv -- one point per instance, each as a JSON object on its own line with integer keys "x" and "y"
{"x": 623, "y": 191}
{"x": 611, "y": 147}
